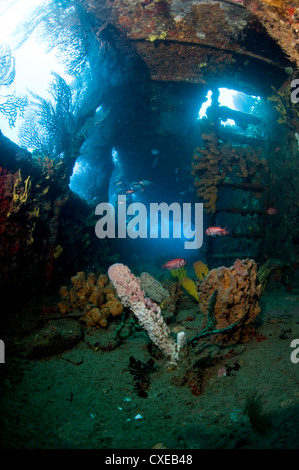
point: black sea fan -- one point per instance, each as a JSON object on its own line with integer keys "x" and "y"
{"x": 10, "y": 105}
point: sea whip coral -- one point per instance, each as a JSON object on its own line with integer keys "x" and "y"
{"x": 148, "y": 312}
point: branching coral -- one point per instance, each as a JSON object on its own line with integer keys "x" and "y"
{"x": 201, "y": 270}
{"x": 58, "y": 251}
{"x": 179, "y": 273}
{"x": 188, "y": 284}
{"x": 288, "y": 113}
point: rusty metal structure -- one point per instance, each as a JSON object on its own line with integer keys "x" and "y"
{"x": 196, "y": 40}
{"x": 166, "y": 55}
{"x": 184, "y": 48}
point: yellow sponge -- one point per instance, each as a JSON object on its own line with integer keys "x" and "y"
{"x": 201, "y": 269}
{"x": 179, "y": 273}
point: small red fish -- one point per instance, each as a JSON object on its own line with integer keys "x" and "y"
{"x": 175, "y": 263}
{"x": 130, "y": 191}
{"x": 213, "y": 231}
{"x": 291, "y": 11}
{"x": 272, "y": 211}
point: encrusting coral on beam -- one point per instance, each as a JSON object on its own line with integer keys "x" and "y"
{"x": 20, "y": 193}
{"x": 179, "y": 273}
{"x": 153, "y": 288}
{"x": 201, "y": 270}
{"x": 237, "y": 303}
{"x": 148, "y": 312}
{"x": 263, "y": 273}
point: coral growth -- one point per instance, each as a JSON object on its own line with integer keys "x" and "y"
{"x": 237, "y": 300}
{"x": 216, "y": 165}
{"x": 92, "y": 295}
{"x": 170, "y": 305}
{"x": 18, "y": 193}
{"x": 163, "y": 32}
{"x": 16, "y": 206}
{"x": 263, "y": 273}
{"x": 179, "y": 273}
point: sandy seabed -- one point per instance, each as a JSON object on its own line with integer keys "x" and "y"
{"x": 86, "y": 398}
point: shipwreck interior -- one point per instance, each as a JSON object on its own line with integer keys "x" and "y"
{"x": 145, "y": 72}
{"x": 163, "y": 101}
